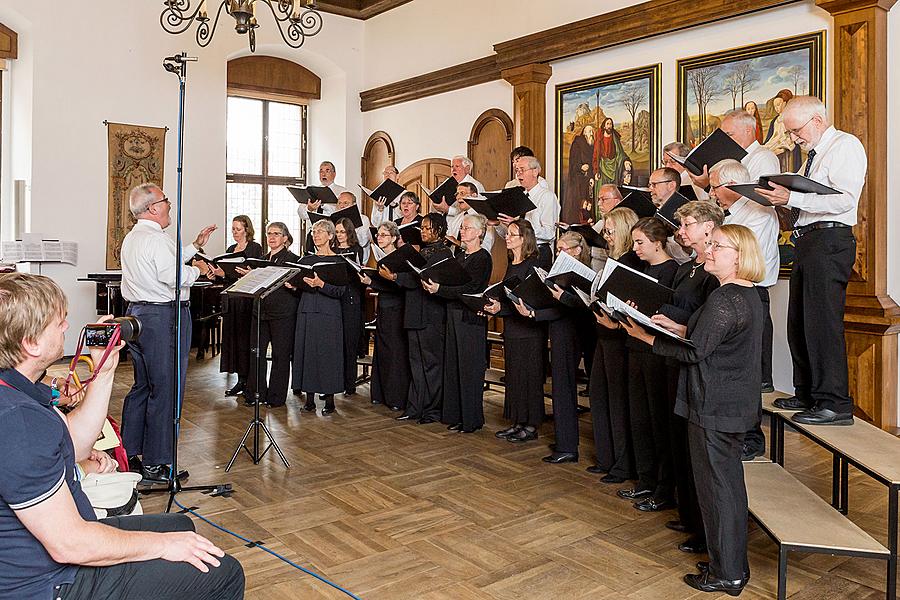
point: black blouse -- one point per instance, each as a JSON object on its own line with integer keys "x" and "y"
{"x": 692, "y": 286}
{"x": 282, "y": 302}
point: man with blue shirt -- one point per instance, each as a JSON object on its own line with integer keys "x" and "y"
{"x": 53, "y": 547}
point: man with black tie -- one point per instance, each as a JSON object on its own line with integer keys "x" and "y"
{"x": 825, "y": 250}
{"x": 382, "y": 209}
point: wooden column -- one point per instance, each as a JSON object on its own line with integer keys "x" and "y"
{"x": 530, "y": 107}
{"x": 860, "y": 107}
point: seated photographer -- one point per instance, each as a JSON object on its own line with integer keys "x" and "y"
{"x": 52, "y": 545}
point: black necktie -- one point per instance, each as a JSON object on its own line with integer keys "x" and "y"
{"x": 727, "y": 212}
{"x": 809, "y": 161}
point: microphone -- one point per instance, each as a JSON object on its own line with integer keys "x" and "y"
{"x": 174, "y": 64}
{"x": 180, "y": 58}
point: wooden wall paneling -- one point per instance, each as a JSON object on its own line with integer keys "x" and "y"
{"x": 530, "y": 107}
{"x": 430, "y": 172}
{"x": 272, "y": 77}
{"x": 872, "y": 318}
{"x": 490, "y": 144}
{"x": 377, "y": 154}
{"x": 9, "y": 42}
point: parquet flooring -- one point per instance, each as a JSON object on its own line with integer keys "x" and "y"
{"x": 392, "y": 510}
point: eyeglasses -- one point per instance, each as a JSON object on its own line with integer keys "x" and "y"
{"x": 655, "y": 183}
{"x": 523, "y": 169}
{"x": 716, "y": 246}
{"x": 382, "y": 234}
{"x": 715, "y": 187}
{"x": 609, "y": 232}
{"x": 686, "y": 224}
{"x": 510, "y": 235}
{"x": 469, "y": 228}
{"x": 165, "y": 199}
{"x": 799, "y": 129}
{"x": 274, "y": 233}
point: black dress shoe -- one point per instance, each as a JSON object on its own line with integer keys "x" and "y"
{"x": 523, "y": 435}
{"x": 273, "y": 405}
{"x": 309, "y": 407}
{"x": 350, "y": 391}
{"x": 403, "y": 417}
{"x": 327, "y": 410}
{"x": 693, "y": 545}
{"x": 597, "y": 470}
{"x": 469, "y": 429}
{"x": 703, "y": 567}
{"x": 426, "y": 421}
{"x": 707, "y": 583}
{"x": 791, "y": 403}
{"x": 652, "y": 504}
{"x": 767, "y": 388}
{"x": 678, "y": 526}
{"x": 610, "y": 478}
{"x": 135, "y": 465}
{"x": 748, "y": 453}
{"x": 454, "y": 427}
{"x": 155, "y": 474}
{"x": 237, "y": 389}
{"x": 395, "y": 408}
{"x": 561, "y": 457}
{"x": 822, "y": 416}
{"x": 505, "y": 433}
{"x": 633, "y": 494}
{"x": 248, "y": 401}
{"x": 374, "y": 401}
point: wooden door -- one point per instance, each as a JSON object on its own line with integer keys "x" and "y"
{"x": 490, "y": 145}
{"x": 430, "y": 172}
{"x": 378, "y": 153}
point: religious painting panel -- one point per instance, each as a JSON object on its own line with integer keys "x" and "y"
{"x": 761, "y": 78}
{"x": 607, "y": 131}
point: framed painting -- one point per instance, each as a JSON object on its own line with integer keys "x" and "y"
{"x": 761, "y": 79}
{"x": 607, "y": 131}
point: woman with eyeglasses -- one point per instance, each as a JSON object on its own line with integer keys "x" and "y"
{"x": 523, "y": 340}
{"x": 319, "y": 335}
{"x": 347, "y": 243}
{"x": 718, "y": 395}
{"x": 390, "y": 359}
{"x": 277, "y": 317}
{"x": 465, "y": 342}
{"x": 692, "y": 286}
{"x": 237, "y": 354}
{"x": 610, "y": 414}
{"x": 424, "y": 318}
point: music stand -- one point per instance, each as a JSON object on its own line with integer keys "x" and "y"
{"x": 258, "y": 284}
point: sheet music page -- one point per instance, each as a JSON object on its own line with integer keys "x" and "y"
{"x": 259, "y": 279}
{"x": 565, "y": 263}
{"x": 639, "y": 317}
{"x": 69, "y": 252}
{"x": 11, "y": 252}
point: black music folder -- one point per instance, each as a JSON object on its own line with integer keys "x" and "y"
{"x": 717, "y": 146}
{"x": 399, "y": 260}
{"x": 412, "y": 233}
{"x": 257, "y": 263}
{"x": 351, "y": 212}
{"x": 334, "y": 273}
{"x": 638, "y": 200}
{"x": 792, "y": 181}
{"x": 446, "y": 192}
{"x": 667, "y": 211}
{"x": 688, "y": 191}
{"x": 586, "y": 231}
{"x": 325, "y": 195}
{"x": 476, "y": 302}
{"x": 630, "y": 285}
{"x": 533, "y": 293}
{"x": 447, "y": 271}
{"x": 512, "y": 202}
{"x": 388, "y": 191}
{"x": 228, "y": 262}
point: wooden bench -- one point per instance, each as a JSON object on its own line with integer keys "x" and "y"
{"x": 871, "y": 450}
{"x": 799, "y": 521}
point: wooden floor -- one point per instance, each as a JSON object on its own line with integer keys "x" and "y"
{"x": 394, "y": 510}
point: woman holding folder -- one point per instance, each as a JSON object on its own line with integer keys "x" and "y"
{"x": 523, "y": 340}
{"x": 319, "y": 335}
{"x": 351, "y": 302}
{"x": 277, "y": 315}
{"x": 465, "y": 342}
{"x": 390, "y": 360}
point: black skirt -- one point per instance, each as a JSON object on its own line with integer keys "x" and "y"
{"x": 524, "y": 380}
{"x": 390, "y": 364}
{"x": 236, "y": 343}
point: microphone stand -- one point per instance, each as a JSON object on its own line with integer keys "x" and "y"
{"x": 177, "y": 65}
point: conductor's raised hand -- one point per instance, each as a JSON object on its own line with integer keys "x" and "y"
{"x": 203, "y": 236}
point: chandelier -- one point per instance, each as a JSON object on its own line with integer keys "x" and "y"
{"x": 296, "y": 19}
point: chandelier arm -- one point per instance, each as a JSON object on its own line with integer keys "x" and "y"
{"x": 173, "y": 16}
{"x": 310, "y": 22}
{"x": 205, "y": 33}
{"x": 284, "y": 9}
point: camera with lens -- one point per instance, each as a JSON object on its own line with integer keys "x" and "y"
{"x": 100, "y": 334}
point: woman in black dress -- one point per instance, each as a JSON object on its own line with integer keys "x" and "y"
{"x": 351, "y": 302}
{"x": 465, "y": 342}
{"x": 523, "y": 340}
{"x": 277, "y": 315}
{"x": 610, "y": 415}
{"x": 718, "y": 394}
{"x": 692, "y": 286}
{"x": 390, "y": 362}
{"x": 319, "y": 335}
{"x": 237, "y": 355}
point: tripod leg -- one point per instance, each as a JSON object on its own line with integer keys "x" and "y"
{"x": 274, "y": 444}
{"x": 241, "y": 444}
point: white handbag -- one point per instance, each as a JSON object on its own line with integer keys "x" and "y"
{"x": 113, "y": 494}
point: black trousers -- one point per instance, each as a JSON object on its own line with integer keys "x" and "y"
{"x": 524, "y": 392}
{"x": 649, "y": 411}
{"x": 351, "y": 311}
{"x": 158, "y": 578}
{"x": 716, "y": 458}
{"x": 465, "y": 352}
{"x": 426, "y": 369}
{"x": 609, "y": 407}
{"x": 685, "y": 486}
{"x": 755, "y": 440}
{"x": 564, "y": 357}
{"x": 280, "y": 333}
{"x": 822, "y": 265}
{"x": 390, "y": 363}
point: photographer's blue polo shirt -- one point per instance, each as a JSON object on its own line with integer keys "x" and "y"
{"x": 36, "y": 459}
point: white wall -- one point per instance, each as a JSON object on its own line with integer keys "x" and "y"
{"x": 117, "y": 76}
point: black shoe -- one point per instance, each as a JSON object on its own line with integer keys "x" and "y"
{"x": 582, "y": 409}
{"x": 272, "y": 405}
{"x": 523, "y": 435}
{"x": 251, "y": 401}
{"x": 374, "y": 401}
{"x": 350, "y": 391}
{"x": 707, "y": 583}
{"x": 597, "y": 470}
{"x": 454, "y": 427}
{"x": 652, "y": 504}
{"x": 201, "y": 354}
{"x": 678, "y": 526}
{"x": 327, "y": 410}
{"x": 395, "y": 408}
{"x": 822, "y": 416}
{"x": 767, "y": 388}
{"x": 703, "y": 567}
{"x": 505, "y": 433}
{"x": 426, "y": 421}
{"x": 693, "y": 545}
{"x": 748, "y": 453}
{"x": 633, "y": 494}
{"x": 561, "y": 457}
{"x": 237, "y": 389}
{"x": 309, "y": 407}
{"x": 791, "y": 403}
{"x": 155, "y": 474}
{"x": 610, "y": 478}
{"x": 470, "y": 429}
{"x": 134, "y": 464}
{"x": 403, "y": 417}
{"x": 552, "y": 447}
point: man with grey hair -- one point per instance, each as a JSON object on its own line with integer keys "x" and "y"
{"x": 825, "y": 250}
{"x": 461, "y": 171}
{"x": 740, "y": 126}
{"x": 680, "y": 149}
{"x": 327, "y": 173}
{"x": 545, "y": 217}
{"x": 763, "y": 222}
{"x": 149, "y": 269}
{"x": 608, "y": 197}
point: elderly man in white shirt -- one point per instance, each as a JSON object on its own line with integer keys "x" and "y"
{"x": 383, "y": 210}
{"x": 149, "y": 271}
{"x": 740, "y": 126}
{"x": 363, "y": 235}
{"x": 763, "y": 222}
{"x": 517, "y": 153}
{"x": 327, "y": 173}
{"x": 461, "y": 171}
{"x": 454, "y": 223}
{"x": 825, "y": 250}
{"x": 545, "y": 217}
